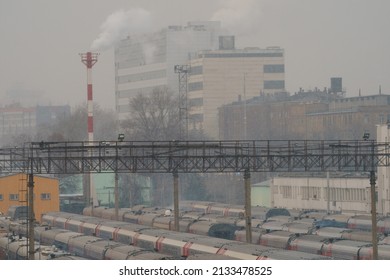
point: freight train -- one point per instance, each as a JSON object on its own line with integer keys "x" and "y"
{"x": 52, "y": 243}
{"x": 230, "y": 227}
{"x": 14, "y": 247}
{"x": 276, "y": 231}
{"x": 176, "y": 244}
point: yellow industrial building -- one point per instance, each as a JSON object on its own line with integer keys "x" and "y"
{"x": 13, "y": 192}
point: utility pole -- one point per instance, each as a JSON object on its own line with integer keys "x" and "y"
{"x": 31, "y": 217}
{"x": 366, "y": 136}
{"x": 248, "y": 206}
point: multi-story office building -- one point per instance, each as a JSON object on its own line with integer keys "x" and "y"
{"x": 222, "y": 76}
{"x": 317, "y": 115}
{"x": 144, "y": 62}
{"x": 16, "y": 119}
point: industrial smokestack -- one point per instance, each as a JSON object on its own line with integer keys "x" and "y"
{"x": 89, "y": 59}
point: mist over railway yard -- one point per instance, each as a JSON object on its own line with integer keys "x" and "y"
{"x": 194, "y": 130}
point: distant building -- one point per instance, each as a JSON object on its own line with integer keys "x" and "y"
{"x": 383, "y": 182}
{"x": 48, "y": 115}
{"x": 339, "y": 193}
{"x": 219, "y": 77}
{"x": 13, "y": 192}
{"x": 16, "y": 119}
{"x": 316, "y": 115}
{"x": 146, "y": 61}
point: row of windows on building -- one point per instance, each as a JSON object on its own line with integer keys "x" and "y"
{"x": 348, "y": 118}
{"x": 267, "y": 68}
{"x": 318, "y": 193}
{"x": 151, "y": 75}
{"x": 15, "y": 196}
{"x": 274, "y": 84}
{"x": 240, "y": 55}
{"x": 196, "y": 70}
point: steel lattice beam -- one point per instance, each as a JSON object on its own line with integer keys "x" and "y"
{"x": 194, "y": 157}
{"x": 198, "y": 157}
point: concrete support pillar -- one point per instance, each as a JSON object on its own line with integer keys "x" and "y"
{"x": 176, "y": 200}
{"x": 31, "y": 217}
{"x": 373, "y": 217}
{"x": 116, "y": 195}
{"x": 248, "y": 212}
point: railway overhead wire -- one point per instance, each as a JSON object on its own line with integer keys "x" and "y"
{"x": 197, "y": 157}
{"x": 194, "y": 156}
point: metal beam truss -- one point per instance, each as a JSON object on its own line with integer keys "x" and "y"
{"x": 183, "y": 71}
{"x": 194, "y": 157}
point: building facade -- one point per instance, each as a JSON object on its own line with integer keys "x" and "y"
{"x": 13, "y": 192}
{"x": 336, "y": 194}
{"x": 16, "y": 119}
{"x": 323, "y": 116}
{"x": 225, "y": 75}
{"x": 147, "y": 61}
{"x": 383, "y": 181}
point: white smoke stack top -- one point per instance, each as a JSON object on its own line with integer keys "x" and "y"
{"x": 121, "y": 24}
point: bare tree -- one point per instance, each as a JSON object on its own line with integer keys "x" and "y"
{"x": 154, "y": 116}
{"x": 74, "y": 127}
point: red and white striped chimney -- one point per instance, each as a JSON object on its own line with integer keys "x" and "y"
{"x": 89, "y": 59}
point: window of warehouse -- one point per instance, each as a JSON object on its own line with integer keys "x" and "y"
{"x": 45, "y": 196}
{"x": 13, "y": 196}
{"x": 279, "y": 84}
{"x": 1, "y": 197}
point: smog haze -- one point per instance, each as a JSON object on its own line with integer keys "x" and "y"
{"x": 41, "y": 41}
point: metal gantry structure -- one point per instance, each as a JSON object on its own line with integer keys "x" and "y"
{"x": 177, "y": 157}
{"x": 183, "y": 71}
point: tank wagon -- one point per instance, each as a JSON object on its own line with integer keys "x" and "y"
{"x": 322, "y": 219}
{"x": 335, "y": 248}
{"x": 177, "y": 244}
{"x": 15, "y": 248}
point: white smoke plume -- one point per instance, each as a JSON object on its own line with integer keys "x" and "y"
{"x": 239, "y": 16}
{"x": 121, "y": 24}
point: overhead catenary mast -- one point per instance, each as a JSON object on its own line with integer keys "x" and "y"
{"x": 89, "y": 59}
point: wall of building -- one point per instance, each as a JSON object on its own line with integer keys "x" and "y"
{"x": 261, "y": 194}
{"x": 383, "y": 181}
{"x": 18, "y": 120}
{"x": 294, "y": 119}
{"x": 13, "y": 191}
{"x": 227, "y": 76}
{"x": 345, "y": 194}
{"x": 15, "y": 119}
{"x": 146, "y": 61}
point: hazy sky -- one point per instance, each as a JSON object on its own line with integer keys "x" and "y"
{"x": 41, "y": 41}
